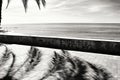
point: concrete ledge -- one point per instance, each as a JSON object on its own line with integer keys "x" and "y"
{"x": 95, "y": 46}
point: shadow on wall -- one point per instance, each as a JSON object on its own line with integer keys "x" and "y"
{"x": 19, "y": 62}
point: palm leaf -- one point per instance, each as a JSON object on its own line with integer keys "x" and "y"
{"x": 38, "y": 3}
{"x": 43, "y": 2}
{"x": 8, "y": 1}
{"x": 25, "y": 3}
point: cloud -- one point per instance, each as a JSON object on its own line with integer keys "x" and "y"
{"x": 64, "y": 11}
{"x": 90, "y": 6}
{"x": 89, "y": 10}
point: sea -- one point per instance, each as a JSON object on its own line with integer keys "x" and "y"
{"x": 106, "y": 31}
{"x": 109, "y": 31}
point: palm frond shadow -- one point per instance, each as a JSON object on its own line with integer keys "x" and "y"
{"x": 34, "y": 57}
{"x": 62, "y": 65}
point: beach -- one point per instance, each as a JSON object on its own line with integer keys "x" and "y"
{"x": 89, "y": 31}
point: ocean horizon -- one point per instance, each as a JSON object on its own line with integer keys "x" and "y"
{"x": 107, "y": 31}
{"x": 91, "y": 31}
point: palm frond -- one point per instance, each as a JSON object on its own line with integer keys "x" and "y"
{"x": 25, "y": 3}
{"x": 8, "y": 1}
{"x": 38, "y": 3}
{"x": 43, "y": 2}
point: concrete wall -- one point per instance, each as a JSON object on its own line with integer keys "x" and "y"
{"x": 95, "y": 46}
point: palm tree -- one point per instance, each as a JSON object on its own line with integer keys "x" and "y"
{"x": 0, "y": 10}
{"x": 25, "y": 4}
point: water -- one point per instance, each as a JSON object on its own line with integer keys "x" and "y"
{"x": 93, "y": 31}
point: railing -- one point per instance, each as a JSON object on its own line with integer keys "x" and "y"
{"x": 86, "y": 45}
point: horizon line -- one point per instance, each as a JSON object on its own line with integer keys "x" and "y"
{"x": 64, "y": 23}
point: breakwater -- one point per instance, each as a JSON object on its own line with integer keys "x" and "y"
{"x": 86, "y": 45}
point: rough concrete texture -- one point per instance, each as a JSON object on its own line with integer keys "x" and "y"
{"x": 95, "y": 46}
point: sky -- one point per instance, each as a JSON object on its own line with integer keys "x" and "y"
{"x": 62, "y": 11}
